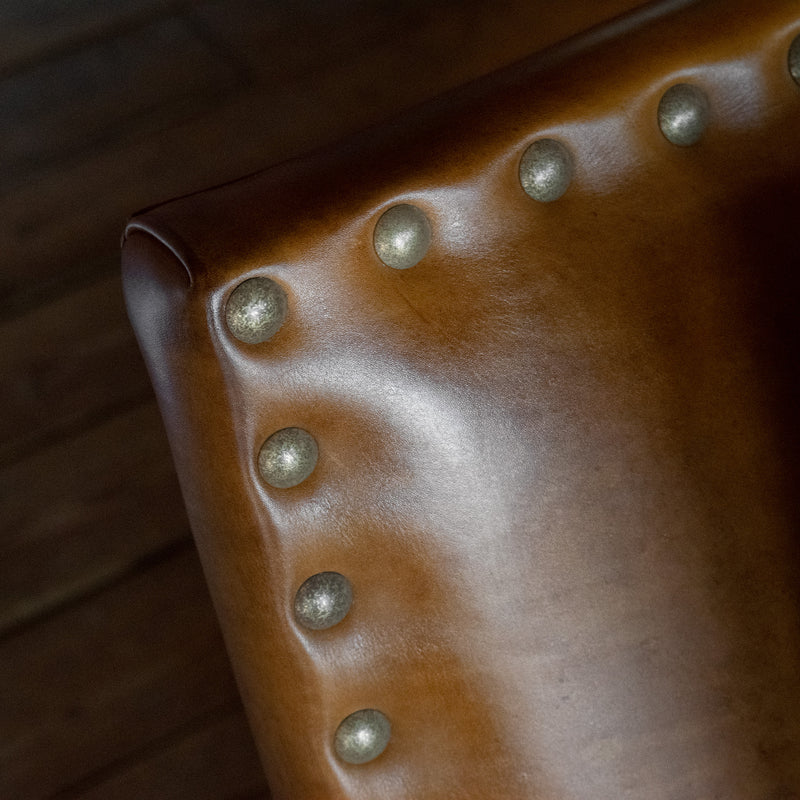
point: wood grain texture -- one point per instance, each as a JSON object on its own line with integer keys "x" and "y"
{"x": 172, "y": 769}
{"x": 59, "y": 368}
{"x": 108, "y": 678}
{"x": 84, "y": 511}
{"x": 35, "y": 30}
{"x": 59, "y": 109}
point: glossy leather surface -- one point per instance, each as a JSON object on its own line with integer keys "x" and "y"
{"x": 558, "y": 458}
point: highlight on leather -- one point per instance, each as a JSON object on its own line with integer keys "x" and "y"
{"x": 504, "y": 503}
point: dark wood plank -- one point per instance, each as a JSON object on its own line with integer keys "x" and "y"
{"x": 83, "y": 512}
{"x": 32, "y": 29}
{"x": 65, "y": 366}
{"x": 106, "y": 679}
{"x": 147, "y": 77}
{"x": 371, "y": 60}
{"x": 215, "y": 761}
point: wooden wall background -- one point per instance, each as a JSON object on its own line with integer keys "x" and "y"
{"x": 114, "y": 682}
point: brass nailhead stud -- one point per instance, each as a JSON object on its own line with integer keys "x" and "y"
{"x": 288, "y": 457}
{"x": 794, "y": 59}
{"x": 256, "y": 310}
{"x": 402, "y": 236}
{"x": 323, "y": 601}
{"x": 546, "y": 170}
{"x": 362, "y": 736}
{"x": 683, "y": 114}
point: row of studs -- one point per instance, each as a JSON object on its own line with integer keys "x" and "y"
{"x": 258, "y": 307}
{"x": 323, "y": 601}
{"x": 402, "y": 235}
{"x": 254, "y": 313}
{"x": 286, "y": 459}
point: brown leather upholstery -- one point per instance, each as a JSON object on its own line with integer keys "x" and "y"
{"x": 558, "y": 458}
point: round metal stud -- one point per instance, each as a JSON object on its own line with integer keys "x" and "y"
{"x": 546, "y": 170}
{"x": 794, "y": 59}
{"x": 683, "y": 114}
{"x": 402, "y": 236}
{"x": 362, "y": 736}
{"x": 256, "y": 310}
{"x": 323, "y": 601}
{"x": 288, "y": 457}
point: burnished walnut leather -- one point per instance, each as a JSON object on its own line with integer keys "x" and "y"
{"x": 558, "y": 457}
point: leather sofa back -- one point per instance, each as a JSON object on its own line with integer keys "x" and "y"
{"x": 546, "y": 466}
